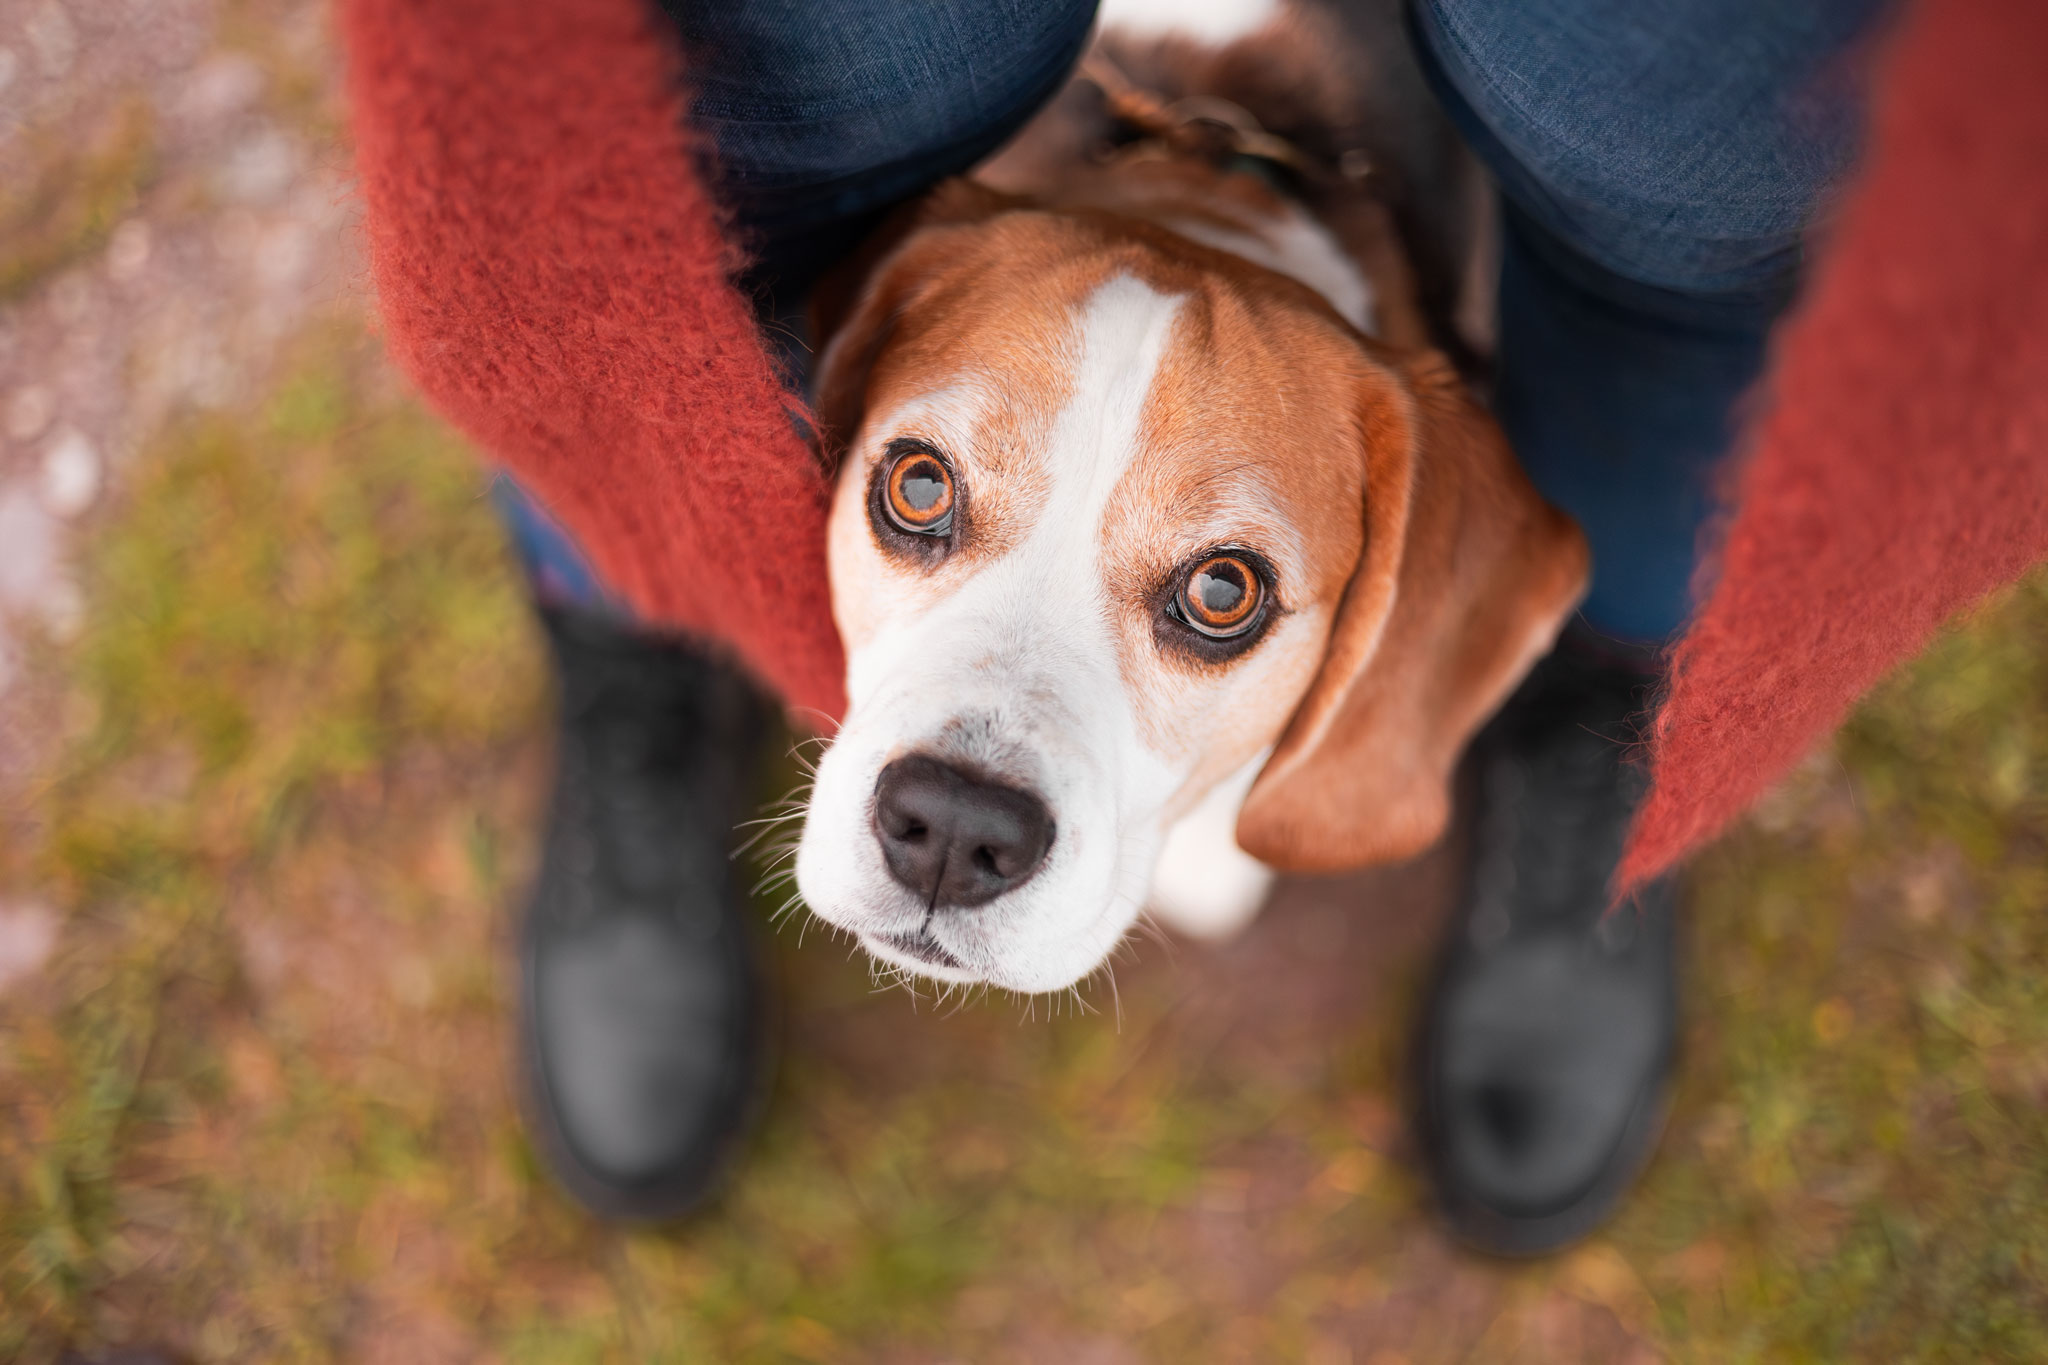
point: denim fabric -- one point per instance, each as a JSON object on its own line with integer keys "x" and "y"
{"x": 1663, "y": 162}
{"x": 823, "y": 115}
{"x": 557, "y": 572}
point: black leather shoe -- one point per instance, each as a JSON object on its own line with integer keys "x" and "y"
{"x": 642, "y": 1014}
{"x": 1549, "y": 1033}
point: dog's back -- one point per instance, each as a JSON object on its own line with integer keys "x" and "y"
{"x": 1335, "y": 79}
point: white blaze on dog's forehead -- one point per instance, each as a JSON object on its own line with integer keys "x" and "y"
{"x": 1206, "y": 21}
{"x": 1124, "y": 331}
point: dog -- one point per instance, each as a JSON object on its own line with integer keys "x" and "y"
{"x": 1168, "y": 549}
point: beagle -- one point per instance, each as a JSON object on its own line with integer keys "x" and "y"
{"x": 1166, "y": 550}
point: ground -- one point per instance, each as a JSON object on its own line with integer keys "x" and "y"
{"x": 271, "y": 752}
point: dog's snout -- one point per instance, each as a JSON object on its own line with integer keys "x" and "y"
{"x": 956, "y": 839}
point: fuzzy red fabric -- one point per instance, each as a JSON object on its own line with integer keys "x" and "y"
{"x": 553, "y": 276}
{"x": 1901, "y": 472}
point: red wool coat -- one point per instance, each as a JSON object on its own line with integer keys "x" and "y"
{"x": 552, "y": 275}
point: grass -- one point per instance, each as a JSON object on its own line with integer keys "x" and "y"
{"x": 258, "y": 1106}
{"x": 1870, "y": 1103}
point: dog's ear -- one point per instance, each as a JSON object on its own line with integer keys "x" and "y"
{"x": 855, "y": 307}
{"x": 1465, "y": 579}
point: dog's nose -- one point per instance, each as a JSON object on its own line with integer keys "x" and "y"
{"x": 954, "y": 838}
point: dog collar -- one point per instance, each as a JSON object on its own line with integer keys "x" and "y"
{"x": 1217, "y": 130}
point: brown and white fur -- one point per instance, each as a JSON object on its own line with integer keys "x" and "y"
{"x": 1129, "y": 365}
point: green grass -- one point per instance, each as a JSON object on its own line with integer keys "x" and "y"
{"x": 259, "y": 1106}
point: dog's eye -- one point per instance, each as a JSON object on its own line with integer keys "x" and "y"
{"x": 917, "y": 493}
{"x": 1221, "y": 597}
{"x": 1216, "y": 606}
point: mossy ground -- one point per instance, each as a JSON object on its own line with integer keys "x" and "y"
{"x": 259, "y": 1105}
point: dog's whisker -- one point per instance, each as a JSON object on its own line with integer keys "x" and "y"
{"x": 770, "y": 876}
{"x": 777, "y": 813}
{"x": 774, "y": 879}
{"x": 825, "y": 723}
{"x": 765, "y": 828}
{"x": 782, "y": 850}
{"x": 1116, "y": 998}
{"x": 887, "y": 976}
{"x": 767, "y": 824}
{"x": 790, "y": 808}
{"x": 1150, "y": 927}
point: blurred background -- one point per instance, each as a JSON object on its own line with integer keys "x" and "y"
{"x": 270, "y": 765}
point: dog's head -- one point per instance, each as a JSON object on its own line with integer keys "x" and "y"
{"x": 1119, "y": 515}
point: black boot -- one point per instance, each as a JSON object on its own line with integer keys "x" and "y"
{"x": 642, "y": 1010}
{"x": 1549, "y": 1032}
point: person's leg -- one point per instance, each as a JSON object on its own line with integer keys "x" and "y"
{"x": 1663, "y": 164}
{"x": 825, "y": 114}
{"x": 640, "y": 1008}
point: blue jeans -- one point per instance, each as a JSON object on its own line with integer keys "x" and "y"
{"x": 827, "y": 113}
{"x": 1662, "y": 162}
